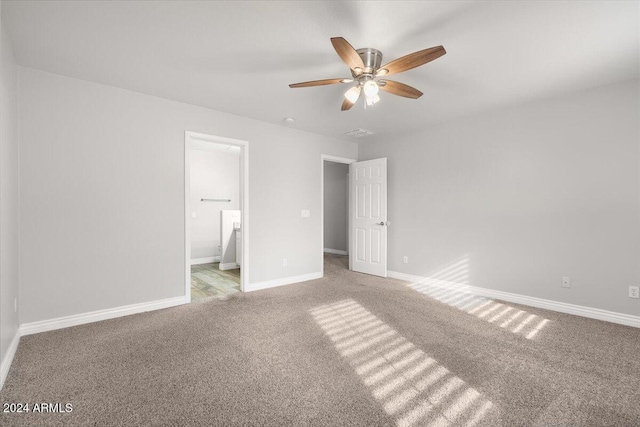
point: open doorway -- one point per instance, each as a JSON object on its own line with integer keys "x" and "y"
{"x": 215, "y": 216}
{"x": 335, "y": 211}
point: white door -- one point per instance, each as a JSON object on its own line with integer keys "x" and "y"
{"x": 368, "y": 214}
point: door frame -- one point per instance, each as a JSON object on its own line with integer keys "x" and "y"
{"x": 335, "y": 159}
{"x": 244, "y": 205}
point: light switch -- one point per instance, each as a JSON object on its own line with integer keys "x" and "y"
{"x": 194, "y": 214}
{"x": 305, "y": 213}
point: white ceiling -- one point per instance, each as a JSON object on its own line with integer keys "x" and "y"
{"x": 239, "y": 57}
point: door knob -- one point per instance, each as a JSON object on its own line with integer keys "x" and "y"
{"x": 381, "y": 223}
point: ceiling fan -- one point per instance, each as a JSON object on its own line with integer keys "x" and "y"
{"x": 370, "y": 77}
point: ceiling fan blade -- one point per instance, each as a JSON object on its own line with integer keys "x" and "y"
{"x": 412, "y": 60}
{"x": 347, "y": 53}
{"x": 347, "y": 104}
{"x": 320, "y": 82}
{"x": 400, "y": 89}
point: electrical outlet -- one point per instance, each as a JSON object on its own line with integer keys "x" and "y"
{"x": 566, "y": 282}
{"x": 634, "y": 291}
{"x": 305, "y": 213}
{"x": 284, "y": 262}
{"x": 15, "y": 305}
{"x": 405, "y": 259}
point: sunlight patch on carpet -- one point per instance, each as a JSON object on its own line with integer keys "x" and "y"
{"x": 448, "y": 285}
{"x": 412, "y": 387}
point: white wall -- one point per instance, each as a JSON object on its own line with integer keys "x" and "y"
{"x": 214, "y": 175}
{"x": 336, "y": 203}
{"x": 103, "y": 195}
{"x": 520, "y": 197}
{"x": 9, "y": 195}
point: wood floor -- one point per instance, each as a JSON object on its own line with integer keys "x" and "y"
{"x": 207, "y": 281}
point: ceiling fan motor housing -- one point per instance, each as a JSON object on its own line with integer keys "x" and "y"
{"x": 372, "y": 59}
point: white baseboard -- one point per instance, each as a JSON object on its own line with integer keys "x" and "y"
{"x": 206, "y": 260}
{"x": 228, "y": 266}
{"x": 96, "y": 316}
{"x": 284, "y": 281}
{"x": 5, "y": 365}
{"x": 562, "y": 307}
{"x": 335, "y": 251}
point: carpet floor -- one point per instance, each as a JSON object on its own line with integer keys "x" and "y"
{"x": 348, "y": 349}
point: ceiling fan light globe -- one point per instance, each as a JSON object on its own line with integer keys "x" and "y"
{"x": 370, "y": 89}
{"x": 352, "y": 94}
{"x": 372, "y": 99}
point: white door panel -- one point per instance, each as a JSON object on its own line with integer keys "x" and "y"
{"x": 368, "y": 182}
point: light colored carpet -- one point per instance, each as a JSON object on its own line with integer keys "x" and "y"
{"x": 348, "y": 349}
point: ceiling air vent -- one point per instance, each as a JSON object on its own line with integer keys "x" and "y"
{"x": 358, "y": 133}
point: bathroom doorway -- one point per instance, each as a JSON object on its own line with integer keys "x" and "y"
{"x": 216, "y": 213}
{"x": 334, "y": 199}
